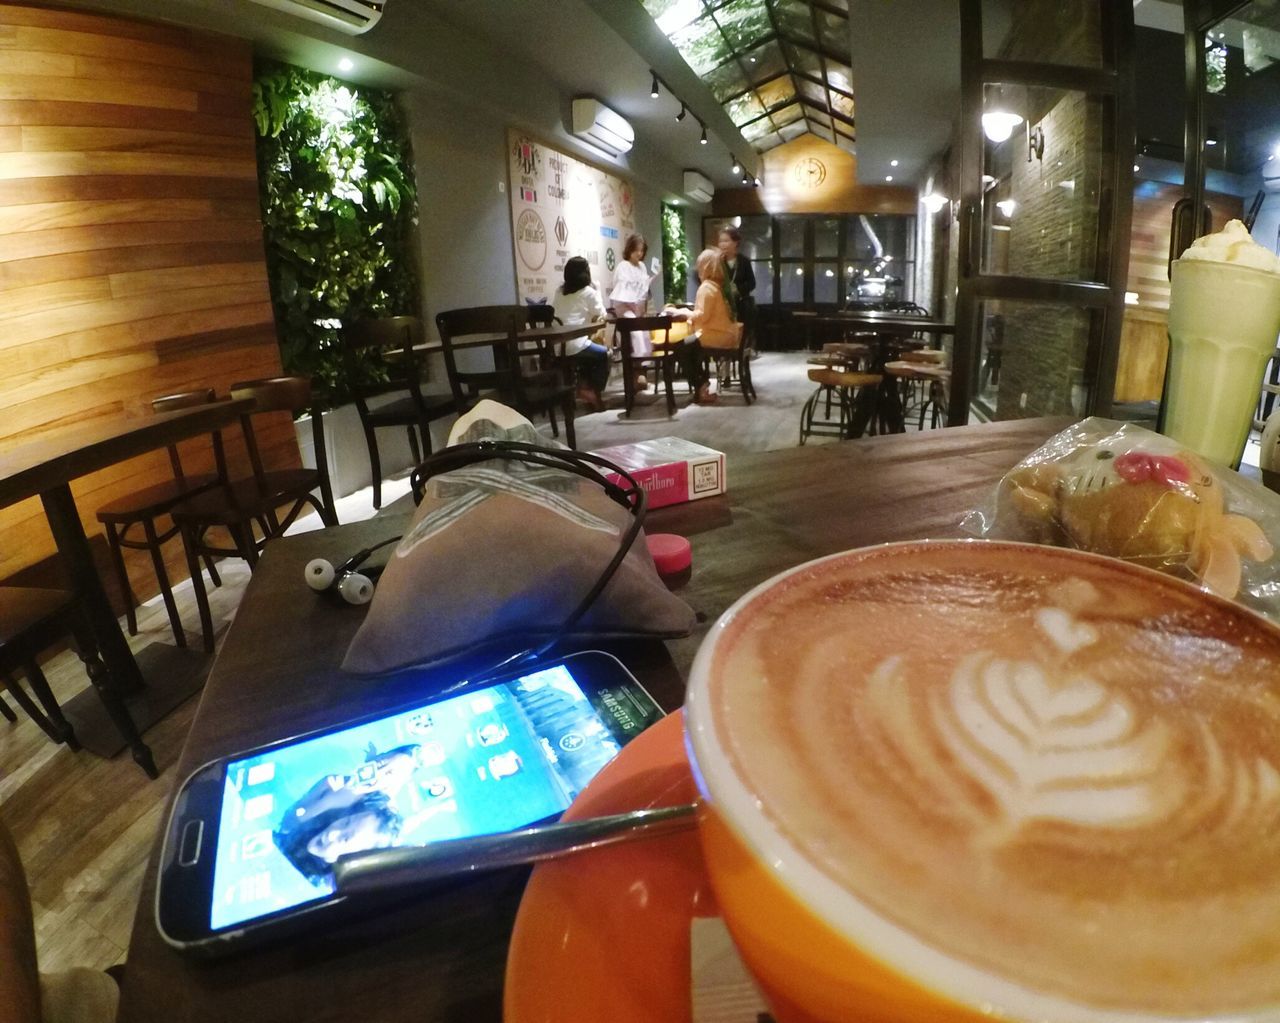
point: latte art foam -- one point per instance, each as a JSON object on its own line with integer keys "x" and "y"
{"x": 1069, "y": 778}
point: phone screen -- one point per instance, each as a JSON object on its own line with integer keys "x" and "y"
{"x": 489, "y": 760}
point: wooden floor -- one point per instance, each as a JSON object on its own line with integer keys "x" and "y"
{"x": 84, "y": 826}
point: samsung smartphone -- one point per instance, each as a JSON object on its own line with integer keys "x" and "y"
{"x": 252, "y": 839}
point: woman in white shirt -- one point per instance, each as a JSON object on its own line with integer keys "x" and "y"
{"x": 577, "y": 303}
{"x": 630, "y": 294}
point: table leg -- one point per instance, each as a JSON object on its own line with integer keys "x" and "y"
{"x": 122, "y": 673}
{"x": 891, "y": 411}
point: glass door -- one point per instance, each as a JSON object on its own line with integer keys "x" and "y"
{"x": 1046, "y": 155}
{"x": 1232, "y": 159}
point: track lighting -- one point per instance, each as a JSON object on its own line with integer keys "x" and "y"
{"x": 653, "y": 90}
{"x": 703, "y": 140}
{"x": 680, "y": 116}
{"x": 737, "y": 167}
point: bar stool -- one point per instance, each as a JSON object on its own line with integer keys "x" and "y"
{"x": 935, "y": 378}
{"x": 836, "y": 386}
{"x": 144, "y": 508}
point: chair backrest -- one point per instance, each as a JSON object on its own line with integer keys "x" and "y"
{"x": 290, "y": 394}
{"x": 185, "y": 400}
{"x": 495, "y": 327}
{"x": 359, "y": 337}
{"x": 653, "y": 325}
{"x": 541, "y": 315}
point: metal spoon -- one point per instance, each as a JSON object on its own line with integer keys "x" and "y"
{"x": 381, "y": 870}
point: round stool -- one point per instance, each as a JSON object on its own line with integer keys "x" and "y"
{"x": 835, "y": 387}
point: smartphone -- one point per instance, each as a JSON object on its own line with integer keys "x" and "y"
{"x": 252, "y": 838}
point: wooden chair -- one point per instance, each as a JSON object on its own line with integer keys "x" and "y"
{"x": 662, "y": 360}
{"x": 415, "y": 411}
{"x": 236, "y": 506}
{"x": 144, "y": 509}
{"x": 497, "y": 329}
{"x": 32, "y": 621}
{"x": 737, "y": 362}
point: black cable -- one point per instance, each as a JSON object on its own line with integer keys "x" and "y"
{"x": 580, "y": 463}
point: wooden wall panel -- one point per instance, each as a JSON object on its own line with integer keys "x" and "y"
{"x": 131, "y": 261}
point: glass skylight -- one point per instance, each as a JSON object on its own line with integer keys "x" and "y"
{"x": 761, "y": 57}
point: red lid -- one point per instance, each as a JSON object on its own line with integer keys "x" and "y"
{"x": 671, "y": 553}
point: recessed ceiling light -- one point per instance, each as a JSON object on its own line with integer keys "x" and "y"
{"x": 893, "y": 163}
{"x": 1210, "y": 142}
{"x": 888, "y": 177}
{"x": 1136, "y": 168}
{"x": 346, "y": 64}
{"x": 752, "y": 59}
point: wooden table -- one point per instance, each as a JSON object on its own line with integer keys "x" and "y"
{"x": 556, "y": 334}
{"x": 442, "y": 959}
{"x": 45, "y": 468}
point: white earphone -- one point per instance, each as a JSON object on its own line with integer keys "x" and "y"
{"x": 352, "y": 586}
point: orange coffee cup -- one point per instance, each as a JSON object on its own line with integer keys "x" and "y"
{"x": 964, "y": 780}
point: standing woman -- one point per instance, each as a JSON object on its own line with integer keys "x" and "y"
{"x": 630, "y": 295}
{"x": 740, "y": 281}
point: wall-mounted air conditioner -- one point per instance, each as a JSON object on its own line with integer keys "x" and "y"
{"x": 350, "y": 16}
{"x": 603, "y": 128}
{"x": 698, "y": 187}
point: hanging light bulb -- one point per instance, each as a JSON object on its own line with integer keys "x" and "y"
{"x": 998, "y": 125}
{"x": 653, "y": 90}
{"x": 680, "y": 116}
{"x": 737, "y": 167}
{"x": 703, "y": 140}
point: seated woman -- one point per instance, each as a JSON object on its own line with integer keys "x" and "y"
{"x": 577, "y": 303}
{"x": 711, "y": 324}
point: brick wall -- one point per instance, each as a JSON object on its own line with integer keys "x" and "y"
{"x": 1052, "y": 233}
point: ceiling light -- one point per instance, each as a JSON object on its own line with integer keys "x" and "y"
{"x": 1136, "y": 168}
{"x": 831, "y": 273}
{"x": 737, "y": 167}
{"x": 746, "y": 179}
{"x": 752, "y": 59}
{"x": 703, "y": 140}
{"x": 757, "y": 181}
{"x": 1210, "y": 142}
{"x": 653, "y": 89}
{"x": 893, "y": 163}
{"x": 934, "y": 202}
{"x": 799, "y": 271}
{"x": 888, "y": 177}
{"x": 998, "y": 125}
{"x": 680, "y": 116}
{"x": 346, "y": 64}
{"x": 1006, "y": 206}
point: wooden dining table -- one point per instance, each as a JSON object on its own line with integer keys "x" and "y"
{"x": 440, "y": 959}
{"x": 46, "y": 468}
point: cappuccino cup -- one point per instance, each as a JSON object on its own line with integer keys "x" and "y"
{"x": 965, "y": 780}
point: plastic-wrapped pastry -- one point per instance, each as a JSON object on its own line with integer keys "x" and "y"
{"x": 1125, "y": 492}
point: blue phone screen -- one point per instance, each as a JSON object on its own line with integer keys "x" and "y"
{"x": 490, "y": 760}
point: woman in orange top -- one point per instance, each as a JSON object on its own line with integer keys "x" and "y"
{"x": 711, "y": 324}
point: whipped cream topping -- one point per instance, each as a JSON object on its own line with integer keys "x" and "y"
{"x": 1233, "y": 244}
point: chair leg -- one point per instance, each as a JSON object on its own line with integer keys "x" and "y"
{"x": 40, "y": 686}
{"x": 555, "y": 426}
{"x": 122, "y": 575}
{"x": 7, "y": 713}
{"x": 162, "y": 577}
{"x": 189, "y": 544}
{"x": 242, "y": 534}
{"x": 668, "y": 381}
{"x": 213, "y": 572}
{"x": 569, "y": 434}
{"x": 375, "y": 463}
{"x": 32, "y": 711}
{"x": 414, "y": 451}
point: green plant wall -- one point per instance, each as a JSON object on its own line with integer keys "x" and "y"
{"x": 339, "y": 207}
{"x": 675, "y": 254}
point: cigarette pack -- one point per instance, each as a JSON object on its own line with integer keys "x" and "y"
{"x": 670, "y": 469}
